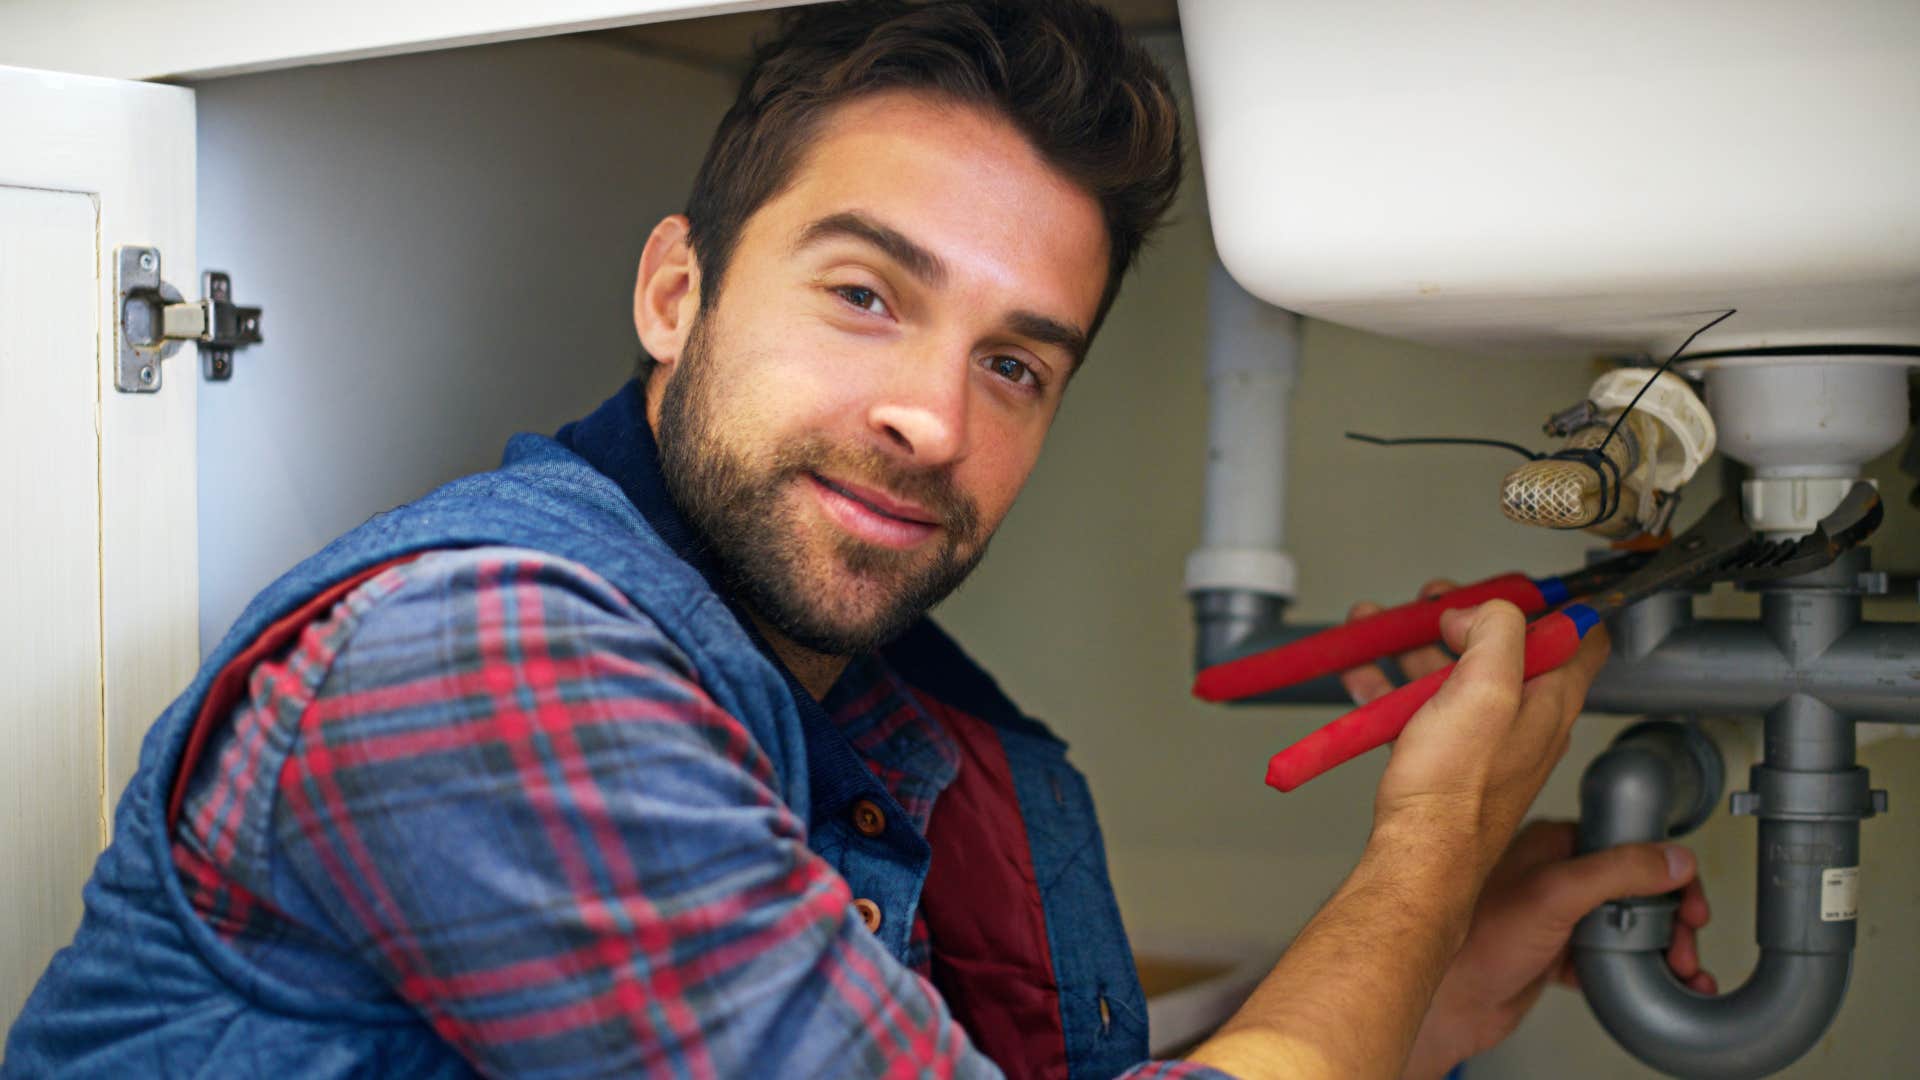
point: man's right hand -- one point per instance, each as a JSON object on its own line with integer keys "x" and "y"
{"x": 1351, "y": 992}
{"x": 1471, "y": 761}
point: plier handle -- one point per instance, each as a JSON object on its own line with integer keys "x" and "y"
{"x": 1396, "y": 630}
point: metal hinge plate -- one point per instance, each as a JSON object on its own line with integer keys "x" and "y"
{"x": 155, "y": 319}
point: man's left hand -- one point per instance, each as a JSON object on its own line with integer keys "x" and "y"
{"x": 1518, "y": 940}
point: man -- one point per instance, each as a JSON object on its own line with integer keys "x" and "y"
{"x": 638, "y": 755}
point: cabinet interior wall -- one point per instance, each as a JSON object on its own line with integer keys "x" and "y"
{"x": 444, "y": 245}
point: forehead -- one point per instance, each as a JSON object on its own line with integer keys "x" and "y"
{"x": 960, "y": 181}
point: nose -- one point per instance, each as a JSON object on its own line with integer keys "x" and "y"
{"x": 922, "y": 411}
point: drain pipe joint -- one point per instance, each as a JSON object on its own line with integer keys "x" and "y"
{"x": 1241, "y": 577}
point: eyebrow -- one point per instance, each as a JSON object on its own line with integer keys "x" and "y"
{"x": 932, "y": 270}
{"x": 1050, "y": 331}
{"x": 916, "y": 260}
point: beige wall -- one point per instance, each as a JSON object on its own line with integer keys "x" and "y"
{"x": 1079, "y": 610}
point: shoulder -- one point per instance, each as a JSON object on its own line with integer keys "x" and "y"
{"x": 470, "y": 667}
{"x": 495, "y": 633}
{"x": 515, "y": 605}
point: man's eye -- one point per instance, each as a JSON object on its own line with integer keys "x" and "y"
{"x": 861, "y": 297}
{"x": 1013, "y": 370}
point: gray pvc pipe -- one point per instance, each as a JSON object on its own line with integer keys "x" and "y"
{"x": 1665, "y": 661}
{"x": 1808, "y": 641}
{"x": 1768, "y": 1023}
{"x": 1650, "y": 785}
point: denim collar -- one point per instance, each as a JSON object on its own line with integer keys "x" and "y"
{"x": 618, "y": 442}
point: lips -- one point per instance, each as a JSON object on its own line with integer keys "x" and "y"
{"x": 879, "y": 503}
{"x": 872, "y": 516}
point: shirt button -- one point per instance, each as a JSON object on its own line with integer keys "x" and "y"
{"x": 868, "y": 818}
{"x": 869, "y": 913}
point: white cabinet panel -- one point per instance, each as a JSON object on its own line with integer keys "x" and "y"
{"x": 50, "y": 693}
{"x": 98, "y": 578}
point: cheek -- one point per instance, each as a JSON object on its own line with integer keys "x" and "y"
{"x": 794, "y": 381}
{"x": 1004, "y": 458}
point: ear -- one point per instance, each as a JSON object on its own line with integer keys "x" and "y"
{"x": 666, "y": 293}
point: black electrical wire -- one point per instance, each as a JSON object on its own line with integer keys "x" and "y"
{"x": 1594, "y": 458}
{"x": 1622, "y": 418}
{"x": 1447, "y": 441}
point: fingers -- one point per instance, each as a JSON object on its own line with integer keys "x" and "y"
{"x": 1561, "y": 694}
{"x": 1485, "y": 685}
{"x": 1453, "y": 633}
{"x": 1683, "y": 956}
{"x": 1694, "y": 911}
{"x": 1367, "y": 681}
{"x": 1422, "y": 662}
{"x": 1566, "y": 891}
{"x": 1425, "y": 661}
{"x": 1592, "y": 656}
{"x": 1564, "y": 972}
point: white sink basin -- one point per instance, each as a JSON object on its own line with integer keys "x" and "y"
{"x": 1510, "y": 174}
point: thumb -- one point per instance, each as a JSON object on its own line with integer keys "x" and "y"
{"x": 1484, "y": 624}
{"x": 1485, "y": 682}
{"x": 1568, "y": 890}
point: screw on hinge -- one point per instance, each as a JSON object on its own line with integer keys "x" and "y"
{"x": 1879, "y": 799}
{"x": 1744, "y": 803}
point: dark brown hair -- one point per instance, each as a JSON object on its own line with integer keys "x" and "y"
{"x": 1063, "y": 72}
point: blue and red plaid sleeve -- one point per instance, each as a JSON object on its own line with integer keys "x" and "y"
{"x": 509, "y": 797}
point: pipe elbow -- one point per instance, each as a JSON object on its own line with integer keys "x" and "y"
{"x": 1625, "y": 796}
{"x": 1784, "y": 1007}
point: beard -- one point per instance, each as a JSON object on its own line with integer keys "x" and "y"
{"x": 840, "y": 597}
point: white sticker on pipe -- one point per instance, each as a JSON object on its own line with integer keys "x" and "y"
{"x": 1840, "y": 894}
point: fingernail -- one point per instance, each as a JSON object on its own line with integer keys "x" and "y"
{"x": 1679, "y": 862}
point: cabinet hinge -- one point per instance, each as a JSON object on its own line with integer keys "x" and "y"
{"x": 155, "y": 319}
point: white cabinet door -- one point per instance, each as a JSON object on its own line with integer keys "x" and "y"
{"x": 98, "y": 581}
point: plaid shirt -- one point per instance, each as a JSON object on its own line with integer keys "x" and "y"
{"x": 487, "y": 784}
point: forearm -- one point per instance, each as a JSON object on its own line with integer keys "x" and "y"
{"x": 1348, "y": 997}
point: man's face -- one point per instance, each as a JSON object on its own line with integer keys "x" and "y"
{"x": 851, "y": 420}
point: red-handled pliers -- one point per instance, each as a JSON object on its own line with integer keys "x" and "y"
{"x": 1396, "y": 630}
{"x": 1718, "y": 547}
